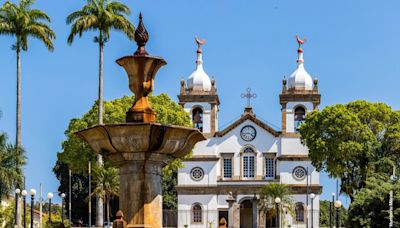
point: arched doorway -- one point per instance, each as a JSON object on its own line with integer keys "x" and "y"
{"x": 246, "y": 214}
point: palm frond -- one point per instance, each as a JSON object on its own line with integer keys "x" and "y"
{"x": 102, "y": 15}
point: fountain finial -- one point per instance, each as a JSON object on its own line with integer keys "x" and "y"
{"x": 141, "y": 38}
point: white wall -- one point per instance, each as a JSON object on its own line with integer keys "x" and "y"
{"x": 210, "y": 173}
{"x": 209, "y": 206}
{"x": 285, "y": 168}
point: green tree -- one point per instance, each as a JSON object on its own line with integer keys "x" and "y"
{"x": 7, "y": 214}
{"x": 324, "y": 211}
{"x": 11, "y": 159}
{"x": 21, "y": 22}
{"x": 76, "y": 153}
{"x": 346, "y": 141}
{"x": 370, "y": 207}
{"x": 107, "y": 185}
{"x": 269, "y": 193}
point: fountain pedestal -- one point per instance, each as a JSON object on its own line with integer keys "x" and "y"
{"x": 141, "y": 147}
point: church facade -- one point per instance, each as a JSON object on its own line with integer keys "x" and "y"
{"x": 224, "y": 176}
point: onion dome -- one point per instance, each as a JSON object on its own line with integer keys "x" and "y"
{"x": 300, "y": 79}
{"x": 199, "y": 80}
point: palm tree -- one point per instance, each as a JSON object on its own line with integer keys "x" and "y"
{"x": 269, "y": 193}
{"x": 107, "y": 185}
{"x": 101, "y": 16}
{"x": 11, "y": 159}
{"x": 21, "y": 22}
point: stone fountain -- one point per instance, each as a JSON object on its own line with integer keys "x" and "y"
{"x": 141, "y": 147}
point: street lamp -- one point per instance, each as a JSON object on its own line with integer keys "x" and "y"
{"x": 331, "y": 217}
{"x": 24, "y": 193}
{"x": 32, "y": 193}
{"x": 277, "y": 202}
{"x": 338, "y": 204}
{"x": 312, "y": 196}
{"x": 62, "y": 207}
{"x": 17, "y": 192}
{"x": 50, "y": 196}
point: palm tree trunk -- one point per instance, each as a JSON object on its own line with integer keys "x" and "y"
{"x": 18, "y": 125}
{"x": 100, "y": 81}
{"x": 108, "y": 212}
{"x": 99, "y": 200}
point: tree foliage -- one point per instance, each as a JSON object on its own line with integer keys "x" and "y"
{"x": 11, "y": 161}
{"x": 21, "y": 21}
{"x": 325, "y": 210}
{"x": 100, "y": 15}
{"x": 350, "y": 141}
{"x": 370, "y": 207}
{"x": 269, "y": 193}
{"x": 107, "y": 185}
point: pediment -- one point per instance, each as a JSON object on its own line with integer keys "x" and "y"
{"x": 252, "y": 117}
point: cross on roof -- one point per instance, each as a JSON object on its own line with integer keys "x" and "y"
{"x": 248, "y": 95}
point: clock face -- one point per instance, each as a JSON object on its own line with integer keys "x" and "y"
{"x": 248, "y": 133}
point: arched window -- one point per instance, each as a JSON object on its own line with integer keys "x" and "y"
{"x": 248, "y": 162}
{"x": 299, "y": 117}
{"x": 299, "y": 212}
{"x": 197, "y": 118}
{"x": 197, "y": 213}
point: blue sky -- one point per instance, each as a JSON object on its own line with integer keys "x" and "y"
{"x": 352, "y": 48}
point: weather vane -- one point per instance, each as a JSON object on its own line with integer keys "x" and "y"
{"x": 300, "y": 41}
{"x": 248, "y": 95}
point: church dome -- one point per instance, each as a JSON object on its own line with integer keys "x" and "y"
{"x": 199, "y": 79}
{"x": 300, "y": 79}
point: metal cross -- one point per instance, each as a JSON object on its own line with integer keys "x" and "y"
{"x": 248, "y": 95}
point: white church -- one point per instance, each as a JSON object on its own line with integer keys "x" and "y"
{"x": 224, "y": 176}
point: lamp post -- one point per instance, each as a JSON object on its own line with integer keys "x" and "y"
{"x": 62, "y": 207}
{"x": 338, "y": 204}
{"x": 312, "y": 196}
{"x": 32, "y": 192}
{"x": 24, "y": 193}
{"x": 277, "y": 202}
{"x": 331, "y": 211}
{"x": 49, "y": 196}
{"x": 17, "y": 192}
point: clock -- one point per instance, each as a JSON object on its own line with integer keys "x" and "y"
{"x": 248, "y": 133}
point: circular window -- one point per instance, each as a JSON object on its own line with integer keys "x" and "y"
{"x": 299, "y": 173}
{"x": 197, "y": 173}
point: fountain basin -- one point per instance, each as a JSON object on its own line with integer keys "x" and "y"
{"x": 141, "y": 150}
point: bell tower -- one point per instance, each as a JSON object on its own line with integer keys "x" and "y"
{"x": 299, "y": 96}
{"x": 198, "y": 96}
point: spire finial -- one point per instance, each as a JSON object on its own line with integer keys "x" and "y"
{"x": 300, "y": 50}
{"x": 199, "y": 43}
{"x": 141, "y": 37}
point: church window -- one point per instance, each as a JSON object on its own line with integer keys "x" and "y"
{"x": 269, "y": 167}
{"x": 248, "y": 162}
{"x": 299, "y": 212}
{"x": 227, "y": 167}
{"x": 299, "y": 173}
{"x": 197, "y": 173}
{"x": 299, "y": 117}
{"x": 197, "y": 118}
{"x": 197, "y": 213}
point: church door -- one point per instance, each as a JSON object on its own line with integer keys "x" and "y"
{"x": 246, "y": 214}
{"x": 270, "y": 220}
